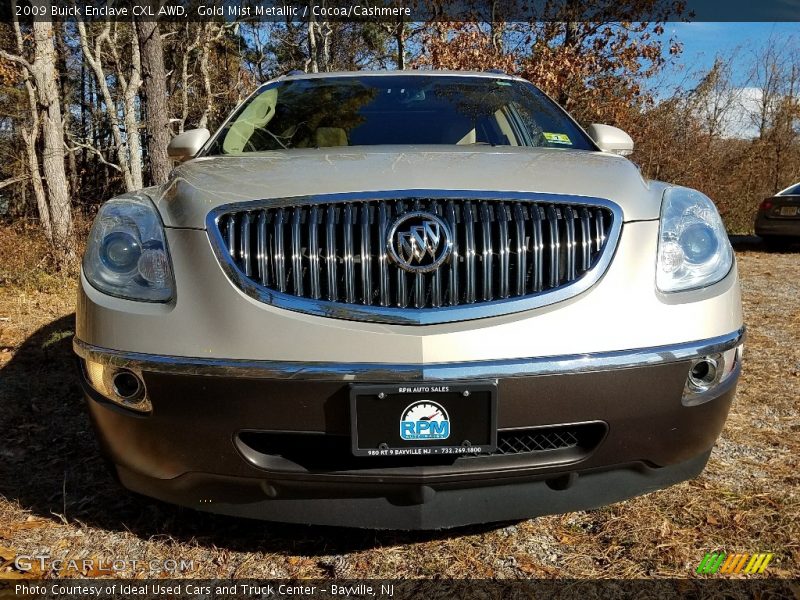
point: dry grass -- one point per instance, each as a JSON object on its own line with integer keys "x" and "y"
{"x": 56, "y": 496}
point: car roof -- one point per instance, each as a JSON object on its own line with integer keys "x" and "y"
{"x": 294, "y": 75}
{"x": 785, "y": 192}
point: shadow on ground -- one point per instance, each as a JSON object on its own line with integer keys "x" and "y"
{"x": 51, "y": 465}
{"x": 756, "y": 244}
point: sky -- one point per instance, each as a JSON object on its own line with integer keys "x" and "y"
{"x": 703, "y": 42}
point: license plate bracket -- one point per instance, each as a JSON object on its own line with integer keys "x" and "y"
{"x": 415, "y": 419}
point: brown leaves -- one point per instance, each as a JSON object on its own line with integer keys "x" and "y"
{"x": 10, "y": 529}
{"x": 464, "y": 46}
{"x": 8, "y": 569}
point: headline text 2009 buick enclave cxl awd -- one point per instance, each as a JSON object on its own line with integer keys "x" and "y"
{"x": 407, "y": 300}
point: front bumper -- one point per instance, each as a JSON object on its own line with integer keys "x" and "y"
{"x": 271, "y": 439}
{"x": 777, "y": 227}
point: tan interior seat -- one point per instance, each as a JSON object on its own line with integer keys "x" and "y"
{"x": 469, "y": 138}
{"x": 326, "y": 137}
{"x": 459, "y": 132}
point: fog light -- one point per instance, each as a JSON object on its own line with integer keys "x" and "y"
{"x": 703, "y": 374}
{"x": 707, "y": 373}
{"x": 128, "y": 386}
{"x": 120, "y": 386}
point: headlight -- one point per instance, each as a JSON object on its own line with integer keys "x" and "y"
{"x": 126, "y": 255}
{"x": 693, "y": 248}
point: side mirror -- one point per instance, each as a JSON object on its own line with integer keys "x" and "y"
{"x": 611, "y": 139}
{"x": 187, "y": 144}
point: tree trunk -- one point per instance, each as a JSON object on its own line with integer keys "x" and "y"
{"x": 312, "y": 65}
{"x": 44, "y": 71}
{"x": 129, "y": 100}
{"x": 127, "y": 149}
{"x": 205, "y": 71}
{"x": 400, "y": 38}
{"x": 155, "y": 90}
{"x": 30, "y": 135}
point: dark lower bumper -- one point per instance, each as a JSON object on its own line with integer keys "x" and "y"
{"x": 411, "y": 506}
{"x": 209, "y": 443}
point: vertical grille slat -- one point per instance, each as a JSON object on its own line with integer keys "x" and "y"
{"x": 452, "y": 269}
{"x": 244, "y": 245}
{"x": 503, "y": 250}
{"x": 366, "y": 255}
{"x": 419, "y": 278}
{"x": 349, "y": 265}
{"x": 230, "y": 236}
{"x": 262, "y": 248}
{"x": 487, "y": 255}
{"x": 522, "y": 248}
{"x": 586, "y": 239}
{"x": 537, "y": 244}
{"x": 600, "y": 231}
{"x": 401, "y": 299}
{"x": 419, "y": 290}
{"x": 569, "y": 219}
{"x": 555, "y": 246}
{"x": 436, "y": 277}
{"x": 313, "y": 252}
{"x": 469, "y": 253}
{"x": 402, "y": 289}
{"x": 383, "y": 264}
{"x": 330, "y": 253}
{"x": 297, "y": 252}
{"x": 337, "y": 252}
{"x": 278, "y": 251}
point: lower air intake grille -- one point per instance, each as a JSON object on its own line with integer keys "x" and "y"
{"x": 314, "y": 451}
{"x": 533, "y": 440}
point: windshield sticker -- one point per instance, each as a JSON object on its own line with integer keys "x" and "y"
{"x": 556, "y": 138}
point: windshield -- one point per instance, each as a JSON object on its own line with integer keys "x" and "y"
{"x": 399, "y": 109}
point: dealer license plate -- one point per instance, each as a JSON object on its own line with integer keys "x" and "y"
{"x": 423, "y": 419}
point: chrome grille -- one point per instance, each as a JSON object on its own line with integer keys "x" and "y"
{"x": 329, "y": 255}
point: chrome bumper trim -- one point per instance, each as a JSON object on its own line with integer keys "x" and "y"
{"x": 494, "y": 369}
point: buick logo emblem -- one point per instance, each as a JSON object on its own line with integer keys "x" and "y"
{"x": 419, "y": 242}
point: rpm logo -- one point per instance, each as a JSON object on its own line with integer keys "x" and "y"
{"x": 424, "y": 420}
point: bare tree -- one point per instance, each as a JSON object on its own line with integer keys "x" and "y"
{"x": 45, "y": 77}
{"x": 211, "y": 34}
{"x": 319, "y": 40}
{"x": 769, "y": 63}
{"x": 30, "y": 135}
{"x": 185, "y": 78}
{"x": 128, "y": 147}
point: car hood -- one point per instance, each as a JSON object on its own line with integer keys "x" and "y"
{"x": 202, "y": 184}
